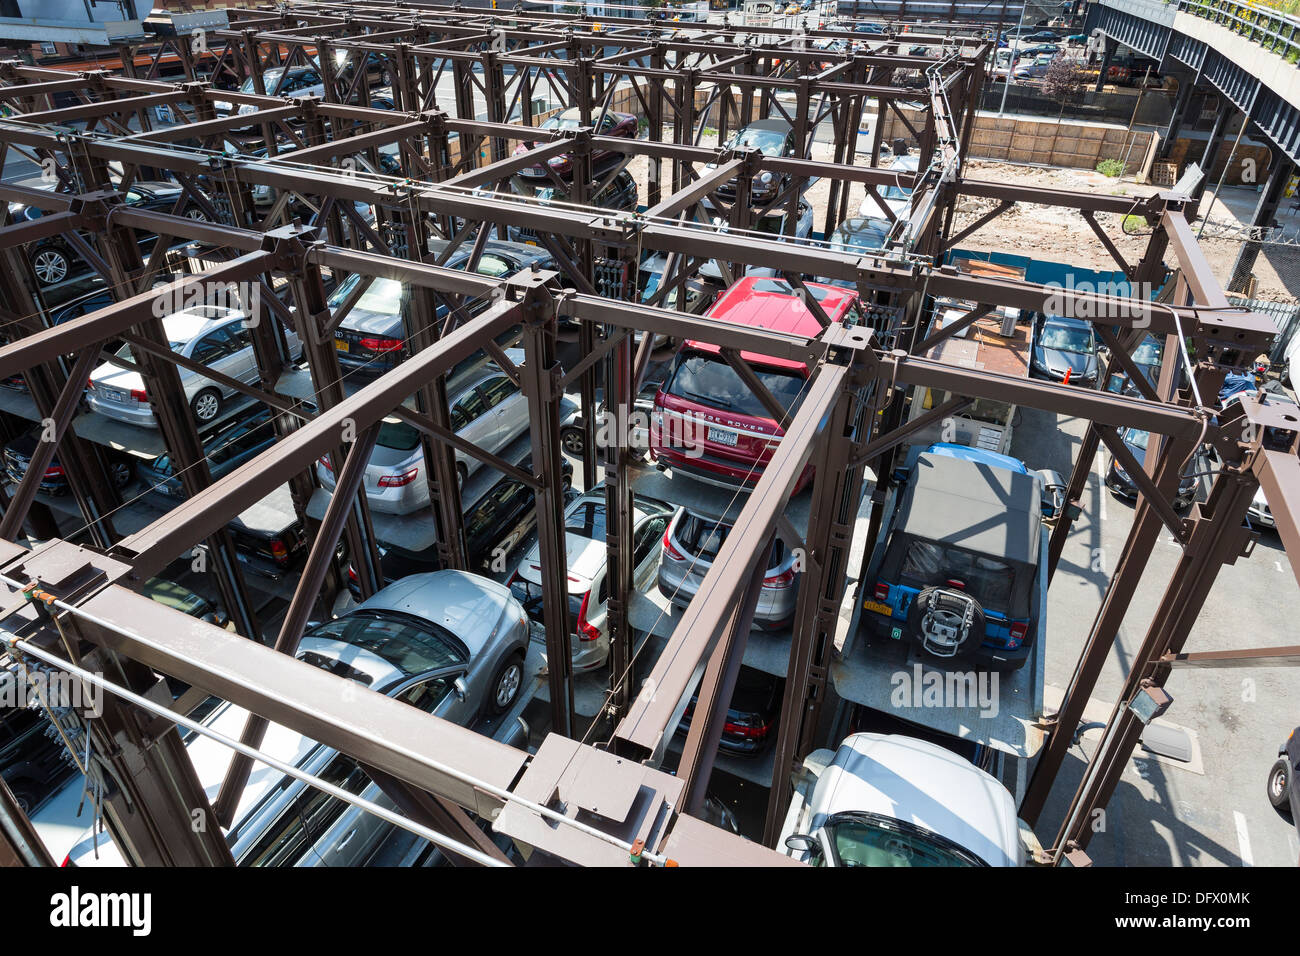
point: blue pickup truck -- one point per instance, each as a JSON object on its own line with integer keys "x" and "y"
{"x": 961, "y": 569}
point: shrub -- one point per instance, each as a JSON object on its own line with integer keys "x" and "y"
{"x": 1111, "y": 168}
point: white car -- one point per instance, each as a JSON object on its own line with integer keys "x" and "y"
{"x": 214, "y": 335}
{"x": 584, "y": 527}
{"x": 889, "y": 800}
{"x": 897, "y": 198}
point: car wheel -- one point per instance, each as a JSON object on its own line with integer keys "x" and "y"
{"x": 24, "y": 795}
{"x": 1279, "y": 787}
{"x": 197, "y": 214}
{"x": 120, "y": 473}
{"x": 572, "y": 441}
{"x": 206, "y": 405}
{"x": 505, "y": 686}
{"x": 51, "y": 265}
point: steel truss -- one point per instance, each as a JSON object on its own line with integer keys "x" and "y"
{"x": 80, "y": 603}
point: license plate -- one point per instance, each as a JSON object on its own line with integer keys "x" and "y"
{"x": 721, "y": 436}
{"x": 529, "y": 242}
{"x": 113, "y": 395}
{"x": 341, "y": 344}
{"x": 879, "y": 608}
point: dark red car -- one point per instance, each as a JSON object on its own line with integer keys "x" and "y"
{"x": 613, "y": 124}
{"x": 707, "y": 422}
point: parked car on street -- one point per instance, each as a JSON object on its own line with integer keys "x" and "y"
{"x": 889, "y": 800}
{"x": 959, "y": 570}
{"x": 1064, "y": 347}
{"x": 692, "y": 542}
{"x": 1119, "y": 481}
{"x": 708, "y": 423}
{"x": 613, "y": 124}
{"x": 1283, "y": 791}
{"x": 584, "y": 534}
{"x": 1035, "y": 69}
{"x": 1148, "y": 357}
{"x": 448, "y": 643}
{"x": 490, "y": 412}
{"x": 212, "y": 335}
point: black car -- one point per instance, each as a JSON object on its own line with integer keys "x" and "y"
{"x": 251, "y": 433}
{"x": 18, "y": 455}
{"x": 773, "y": 138}
{"x": 54, "y": 261}
{"x": 751, "y": 717}
{"x": 619, "y": 195}
{"x": 1119, "y": 481}
{"x": 494, "y": 525}
{"x": 1283, "y": 793}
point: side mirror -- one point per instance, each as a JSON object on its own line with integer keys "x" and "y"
{"x": 801, "y": 842}
{"x": 460, "y": 689}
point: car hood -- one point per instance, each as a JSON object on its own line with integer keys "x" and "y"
{"x": 468, "y": 605}
{"x": 921, "y": 783}
{"x": 1056, "y": 360}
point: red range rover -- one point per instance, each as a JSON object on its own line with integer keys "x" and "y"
{"x": 707, "y": 422}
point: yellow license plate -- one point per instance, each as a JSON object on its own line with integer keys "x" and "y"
{"x": 341, "y": 344}
{"x": 529, "y": 242}
{"x": 879, "y": 608}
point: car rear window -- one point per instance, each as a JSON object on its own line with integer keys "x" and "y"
{"x": 703, "y": 538}
{"x": 588, "y": 520}
{"x": 708, "y": 379}
{"x": 988, "y": 580}
{"x": 396, "y": 434}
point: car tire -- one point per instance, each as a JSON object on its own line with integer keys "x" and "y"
{"x": 1279, "y": 787}
{"x": 944, "y": 601}
{"x": 24, "y": 794}
{"x": 206, "y": 406}
{"x": 120, "y": 473}
{"x": 572, "y": 440}
{"x": 51, "y": 265}
{"x": 506, "y": 685}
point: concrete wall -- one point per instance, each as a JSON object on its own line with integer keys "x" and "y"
{"x": 1026, "y": 139}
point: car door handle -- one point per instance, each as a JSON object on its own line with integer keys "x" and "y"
{"x": 346, "y": 840}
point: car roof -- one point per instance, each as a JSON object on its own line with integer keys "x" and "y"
{"x": 921, "y": 783}
{"x": 779, "y": 125}
{"x": 978, "y": 506}
{"x": 190, "y": 323}
{"x": 765, "y": 303}
{"x": 1069, "y": 321}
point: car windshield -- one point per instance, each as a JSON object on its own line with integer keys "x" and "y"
{"x": 769, "y": 142}
{"x": 384, "y": 297}
{"x": 1148, "y": 353}
{"x": 1136, "y": 437}
{"x": 1065, "y": 338}
{"x": 398, "y": 640}
{"x": 565, "y": 120}
{"x": 709, "y": 380}
{"x": 988, "y": 580}
{"x": 865, "y": 236}
{"x": 866, "y": 839}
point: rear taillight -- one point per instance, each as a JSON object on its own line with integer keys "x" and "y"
{"x": 882, "y": 592}
{"x": 397, "y": 481}
{"x": 585, "y": 630}
{"x": 1016, "y": 634}
{"x": 54, "y": 471}
{"x": 669, "y": 549}
{"x": 140, "y": 396}
{"x": 782, "y": 580}
{"x": 90, "y": 384}
{"x": 352, "y": 573}
{"x": 381, "y": 345}
{"x": 279, "y": 552}
{"x": 757, "y": 732}
{"x": 324, "y": 462}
